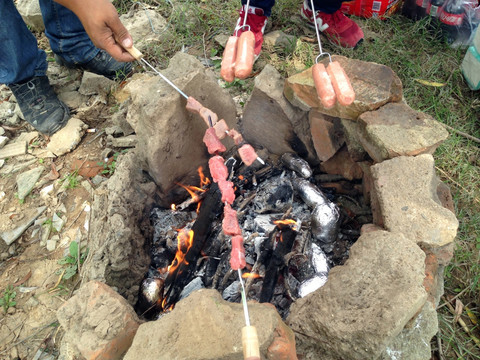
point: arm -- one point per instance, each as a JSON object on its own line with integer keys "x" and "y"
{"x": 103, "y": 26}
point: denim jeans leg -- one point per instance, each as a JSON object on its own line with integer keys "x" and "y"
{"x": 326, "y": 6}
{"x": 20, "y": 57}
{"x": 265, "y": 5}
{"x": 66, "y": 33}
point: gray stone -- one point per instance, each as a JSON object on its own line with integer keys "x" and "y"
{"x": 270, "y": 121}
{"x": 185, "y": 328}
{"x": 57, "y": 222}
{"x": 326, "y": 134}
{"x": 13, "y": 149}
{"x": 118, "y": 220}
{"x": 146, "y": 26}
{"x": 348, "y": 318}
{"x": 413, "y": 343}
{"x": 27, "y": 180}
{"x": 97, "y": 180}
{"x": 169, "y": 137}
{"x": 374, "y": 86}
{"x": 7, "y": 110}
{"x": 67, "y": 138}
{"x": 396, "y": 129}
{"x": 98, "y": 322}
{"x": 31, "y": 14}
{"x": 14, "y": 168}
{"x": 93, "y": 84}
{"x": 28, "y": 137}
{"x": 405, "y": 188}
{"x": 279, "y": 39}
{"x": 51, "y": 244}
{"x": 125, "y": 141}
{"x": 3, "y": 141}
{"x": 73, "y": 99}
{"x": 221, "y": 39}
{"x": 9, "y": 236}
{"x": 351, "y": 129}
{"x": 2, "y": 131}
{"x": 2, "y": 162}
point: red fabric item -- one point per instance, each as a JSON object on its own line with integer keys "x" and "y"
{"x": 256, "y": 22}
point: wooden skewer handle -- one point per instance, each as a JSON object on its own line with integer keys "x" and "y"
{"x": 251, "y": 350}
{"x": 137, "y": 54}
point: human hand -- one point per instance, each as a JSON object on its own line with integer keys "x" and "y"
{"x": 103, "y": 26}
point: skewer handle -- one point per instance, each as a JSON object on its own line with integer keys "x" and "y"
{"x": 137, "y": 54}
{"x": 251, "y": 349}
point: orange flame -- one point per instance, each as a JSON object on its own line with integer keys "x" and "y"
{"x": 185, "y": 242}
{"x": 204, "y": 181}
{"x": 250, "y": 275}
{"x": 285, "y": 222}
{"x": 173, "y": 207}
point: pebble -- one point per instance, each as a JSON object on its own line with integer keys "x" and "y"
{"x": 51, "y": 244}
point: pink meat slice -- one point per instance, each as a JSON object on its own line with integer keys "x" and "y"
{"x": 212, "y": 142}
{"x": 221, "y": 129}
{"x": 237, "y": 256}
{"x": 193, "y": 105}
{"x": 230, "y": 221}
{"x": 226, "y": 188}
{"x": 236, "y": 136}
{"x": 217, "y": 167}
{"x": 248, "y": 154}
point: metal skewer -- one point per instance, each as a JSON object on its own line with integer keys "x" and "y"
{"x": 318, "y": 35}
{"x": 244, "y": 299}
{"x": 164, "y": 78}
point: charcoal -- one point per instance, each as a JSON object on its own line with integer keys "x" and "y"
{"x": 297, "y": 164}
{"x": 264, "y": 223}
{"x": 195, "y": 284}
{"x": 274, "y": 196}
{"x": 165, "y": 222}
{"x": 231, "y": 292}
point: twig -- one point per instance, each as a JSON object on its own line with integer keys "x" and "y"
{"x": 463, "y": 324}
{"x": 58, "y": 281}
{"x": 470, "y": 137}
{"x": 27, "y": 338}
{"x": 456, "y": 296}
{"x": 456, "y": 183}
{"x": 439, "y": 344}
{"x": 96, "y": 136}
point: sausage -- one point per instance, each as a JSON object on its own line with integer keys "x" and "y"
{"x": 341, "y": 83}
{"x": 227, "y": 70}
{"x": 237, "y": 256}
{"x": 324, "y": 86}
{"x": 245, "y": 55}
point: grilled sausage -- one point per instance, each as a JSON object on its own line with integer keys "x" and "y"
{"x": 245, "y": 55}
{"x": 227, "y": 70}
{"x": 341, "y": 83}
{"x": 324, "y": 86}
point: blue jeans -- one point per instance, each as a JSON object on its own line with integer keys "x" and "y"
{"x": 20, "y": 57}
{"x": 326, "y": 6}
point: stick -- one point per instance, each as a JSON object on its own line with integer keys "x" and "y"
{"x": 462, "y": 324}
{"x": 470, "y": 137}
{"x": 456, "y": 183}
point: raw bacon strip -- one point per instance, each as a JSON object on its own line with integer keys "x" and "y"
{"x": 237, "y": 256}
{"x": 236, "y": 136}
{"x": 324, "y": 86}
{"x": 212, "y": 142}
{"x": 217, "y": 167}
{"x": 230, "y": 221}
{"x": 341, "y": 84}
{"x": 221, "y": 129}
{"x": 227, "y": 70}
{"x": 248, "y": 154}
{"x": 226, "y": 188}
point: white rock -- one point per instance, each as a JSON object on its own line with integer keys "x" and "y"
{"x": 46, "y": 191}
{"x": 51, "y": 244}
{"x": 66, "y": 139}
{"x": 3, "y": 141}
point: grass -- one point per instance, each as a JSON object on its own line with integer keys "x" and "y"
{"x": 414, "y": 50}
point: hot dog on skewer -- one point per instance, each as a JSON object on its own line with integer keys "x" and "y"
{"x": 227, "y": 70}
{"x": 341, "y": 83}
{"x": 245, "y": 55}
{"x": 324, "y": 86}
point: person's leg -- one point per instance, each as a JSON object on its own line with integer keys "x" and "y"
{"x": 20, "y": 58}
{"x": 72, "y": 45}
{"x": 337, "y": 27}
{"x": 258, "y": 11}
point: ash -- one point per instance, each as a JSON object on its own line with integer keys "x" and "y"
{"x": 284, "y": 261}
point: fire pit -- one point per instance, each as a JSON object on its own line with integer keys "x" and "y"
{"x": 379, "y": 302}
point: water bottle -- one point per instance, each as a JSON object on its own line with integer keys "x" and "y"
{"x": 451, "y": 19}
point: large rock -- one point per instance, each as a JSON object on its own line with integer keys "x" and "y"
{"x": 405, "y": 189}
{"x": 119, "y": 228}
{"x": 270, "y": 121}
{"x": 98, "y": 322}
{"x": 169, "y": 137}
{"x": 145, "y": 25}
{"x": 374, "y": 86}
{"x": 31, "y": 14}
{"x": 366, "y": 303}
{"x": 327, "y": 134}
{"x": 204, "y": 326}
{"x": 396, "y": 129}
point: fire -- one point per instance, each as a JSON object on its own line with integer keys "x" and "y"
{"x": 185, "y": 242}
{"x": 204, "y": 181}
{"x": 285, "y": 222}
{"x": 173, "y": 207}
{"x": 250, "y": 275}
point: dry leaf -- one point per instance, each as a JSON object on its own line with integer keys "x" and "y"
{"x": 429, "y": 83}
{"x": 458, "y": 309}
{"x": 471, "y": 315}
{"x": 24, "y": 279}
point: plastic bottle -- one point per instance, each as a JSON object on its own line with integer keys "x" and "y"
{"x": 451, "y": 18}
{"x": 434, "y": 8}
{"x": 409, "y": 9}
{"x": 421, "y": 8}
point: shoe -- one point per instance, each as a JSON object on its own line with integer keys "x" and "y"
{"x": 256, "y": 22}
{"x": 338, "y": 28}
{"x": 101, "y": 64}
{"x": 40, "y": 105}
